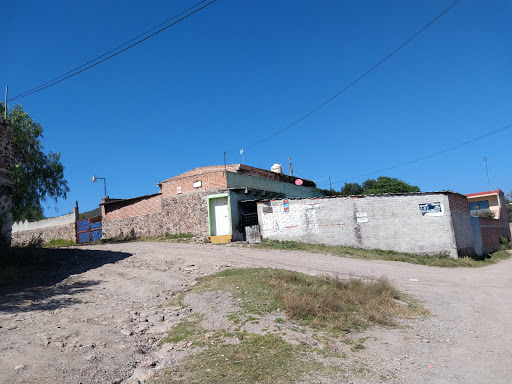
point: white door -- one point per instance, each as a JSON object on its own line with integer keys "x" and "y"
{"x": 220, "y": 219}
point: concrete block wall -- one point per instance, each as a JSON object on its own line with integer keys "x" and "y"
{"x": 392, "y": 222}
{"x": 6, "y": 182}
{"x": 45, "y": 223}
{"x": 62, "y": 227}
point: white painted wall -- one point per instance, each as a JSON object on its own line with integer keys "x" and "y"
{"x": 391, "y": 222}
{"x": 42, "y": 224}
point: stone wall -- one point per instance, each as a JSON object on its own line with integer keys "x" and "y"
{"x": 148, "y": 225}
{"x": 186, "y": 214}
{"x": 6, "y": 182}
{"x": 392, "y": 222}
{"x": 62, "y": 227}
{"x": 156, "y": 215}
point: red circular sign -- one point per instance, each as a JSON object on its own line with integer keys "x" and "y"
{"x": 299, "y": 182}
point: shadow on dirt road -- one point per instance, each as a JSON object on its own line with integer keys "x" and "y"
{"x": 44, "y": 287}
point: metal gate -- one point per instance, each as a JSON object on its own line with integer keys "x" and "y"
{"x": 88, "y": 230}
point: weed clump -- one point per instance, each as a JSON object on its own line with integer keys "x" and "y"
{"x": 332, "y": 303}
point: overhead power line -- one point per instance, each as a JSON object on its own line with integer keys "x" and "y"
{"x": 359, "y": 78}
{"x": 76, "y": 70}
{"x": 430, "y": 155}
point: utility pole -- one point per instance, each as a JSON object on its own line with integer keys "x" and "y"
{"x": 242, "y": 153}
{"x": 5, "y": 105}
{"x": 291, "y": 166}
{"x": 487, "y": 171}
{"x": 330, "y": 185}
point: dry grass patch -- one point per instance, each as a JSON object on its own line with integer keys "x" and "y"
{"x": 325, "y": 302}
{"x": 256, "y": 359}
{"x": 296, "y": 347}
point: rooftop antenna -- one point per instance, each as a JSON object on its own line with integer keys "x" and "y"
{"x": 225, "y": 167}
{"x": 291, "y": 166}
{"x": 242, "y": 153}
{"x": 487, "y": 171}
{"x": 5, "y": 105}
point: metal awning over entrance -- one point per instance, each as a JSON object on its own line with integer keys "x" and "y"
{"x": 258, "y": 194}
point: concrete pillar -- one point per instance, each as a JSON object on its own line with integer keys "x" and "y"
{"x": 6, "y": 183}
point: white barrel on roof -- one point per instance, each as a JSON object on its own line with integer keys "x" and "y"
{"x": 277, "y": 168}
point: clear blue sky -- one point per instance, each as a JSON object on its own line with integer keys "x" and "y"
{"x": 238, "y": 71}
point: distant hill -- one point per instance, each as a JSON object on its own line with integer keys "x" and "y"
{"x": 89, "y": 214}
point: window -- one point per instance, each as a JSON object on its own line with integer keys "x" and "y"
{"x": 476, "y": 205}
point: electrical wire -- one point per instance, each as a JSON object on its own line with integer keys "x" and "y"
{"x": 75, "y": 71}
{"x": 359, "y": 78}
{"x": 430, "y": 155}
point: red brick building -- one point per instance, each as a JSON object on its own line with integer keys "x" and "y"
{"x": 490, "y": 210}
{"x": 215, "y": 201}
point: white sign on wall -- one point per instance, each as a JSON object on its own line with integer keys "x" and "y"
{"x": 432, "y": 209}
{"x": 197, "y": 184}
{"x": 178, "y": 190}
{"x": 362, "y": 217}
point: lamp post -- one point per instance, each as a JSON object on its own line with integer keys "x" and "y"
{"x": 94, "y": 178}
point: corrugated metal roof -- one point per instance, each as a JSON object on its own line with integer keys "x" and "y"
{"x": 113, "y": 201}
{"x": 496, "y": 192}
{"x": 376, "y": 195}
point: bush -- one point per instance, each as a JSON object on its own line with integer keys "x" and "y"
{"x": 485, "y": 213}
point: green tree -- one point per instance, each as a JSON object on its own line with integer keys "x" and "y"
{"x": 382, "y": 185}
{"x": 351, "y": 189}
{"x": 508, "y": 200}
{"x": 37, "y": 176}
{"x": 389, "y": 185}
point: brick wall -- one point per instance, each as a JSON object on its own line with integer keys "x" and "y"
{"x": 6, "y": 182}
{"x": 210, "y": 180}
{"x": 461, "y": 223}
{"x": 132, "y": 207}
{"x": 492, "y": 231}
{"x": 214, "y": 177}
{"x": 458, "y": 202}
{"x": 373, "y": 222}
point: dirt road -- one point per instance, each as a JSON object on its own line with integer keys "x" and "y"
{"x": 75, "y": 323}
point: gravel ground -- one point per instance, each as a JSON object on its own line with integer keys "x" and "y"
{"x": 97, "y": 316}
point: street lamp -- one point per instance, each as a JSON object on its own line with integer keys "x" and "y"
{"x": 94, "y": 178}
